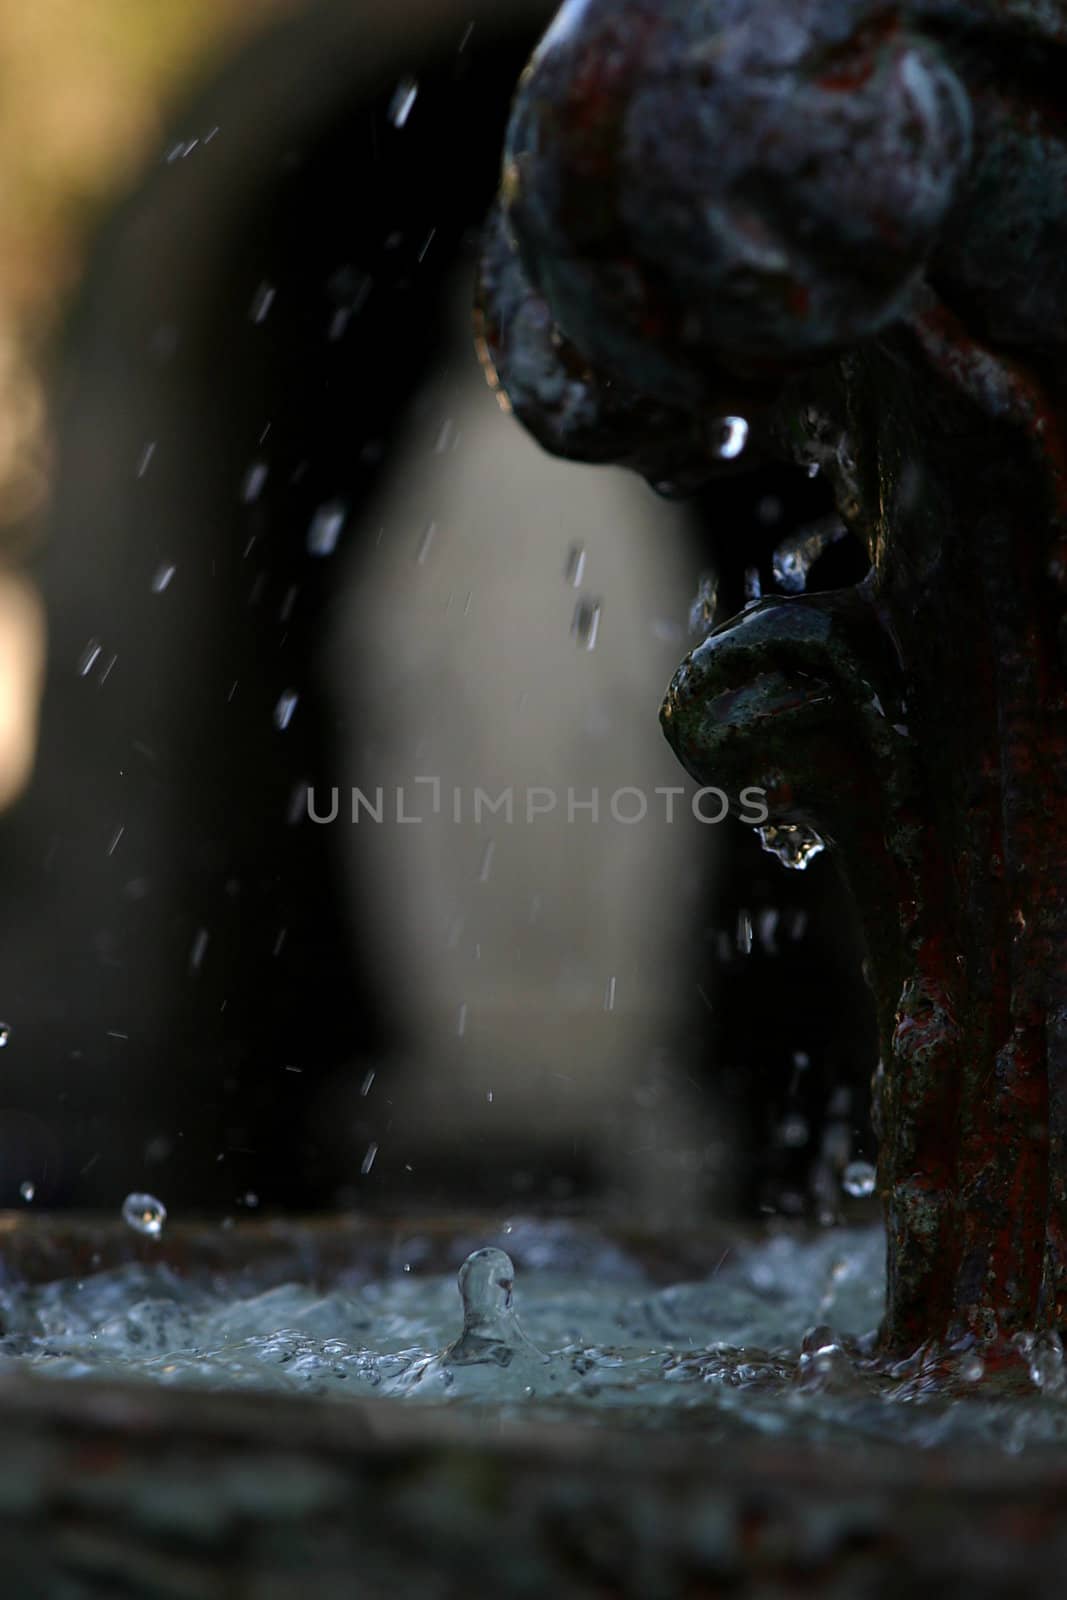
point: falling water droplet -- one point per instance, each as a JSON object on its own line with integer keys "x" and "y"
{"x": 586, "y": 625}
{"x": 404, "y": 97}
{"x": 326, "y": 527}
{"x": 795, "y": 845}
{"x": 609, "y": 995}
{"x": 283, "y": 711}
{"x": 575, "y": 569}
{"x": 161, "y": 580}
{"x": 5, "y": 1034}
{"x": 730, "y": 435}
{"x": 254, "y": 479}
{"x": 262, "y": 301}
{"x": 429, "y": 533}
{"x": 144, "y": 1214}
{"x": 858, "y": 1179}
{"x": 368, "y": 1160}
{"x": 27, "y": 1190}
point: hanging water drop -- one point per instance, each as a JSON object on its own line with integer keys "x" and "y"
{"x": 144, "y": 1214}
{"x": 795, "y": 845}
{"x": 858, "y": 1179}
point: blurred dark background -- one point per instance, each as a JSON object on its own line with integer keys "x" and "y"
{"x": 210, "y": 998}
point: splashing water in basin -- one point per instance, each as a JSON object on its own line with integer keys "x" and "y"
{"x": 727, "y": 1354}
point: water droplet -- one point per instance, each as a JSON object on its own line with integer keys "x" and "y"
{"x": 404, "y": 97}
{"x": 797, "y": 554}
{"x": 199, "y": 949}
{"x": 262, "y": 301}
{"x": 858, "y": 1179}
{"x": 283, "y": 711}
{"x": 702, "y": 610}
{"x": 146, "y": 458}
{"x": 575, "y": 569}
{"x": 368, "y": 1160}
{"x": 794, "y": 1132}
{"x": 429, "y": 533}
{"x": 144, "y": 1214}
{"x": 729, "y": 437}
{"x": 586, "y": 624}
{"x": 367, "y": 1081}
{"x": 254, "y": 479}
{"x": 5, "y": 1034}
{"x": 609, "y": 995}
{"x": 161, "y": 580}
{"x": 89, "y": 657}
{"x": 753, "y": 586}
{"x": 27, "y": 1190}
{"x": 795, "y": 845}
{"x": 326, "y": 527}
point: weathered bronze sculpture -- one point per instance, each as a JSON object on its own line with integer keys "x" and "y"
{"x": 846, "y": 222}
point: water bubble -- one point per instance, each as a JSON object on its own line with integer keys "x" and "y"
{"x": 586, "y": 624}
{"x": 27, "y": 1190}
{"x": 730, "y": 435}
{"x": 5, "y": 1034}
{"x": 403, "y": 101}
{"x": 858, "y": 1179}
{"x": 144, "y": 1214}
{"x": 795, "y": 845}
{"x": 1045, "y": 1357}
